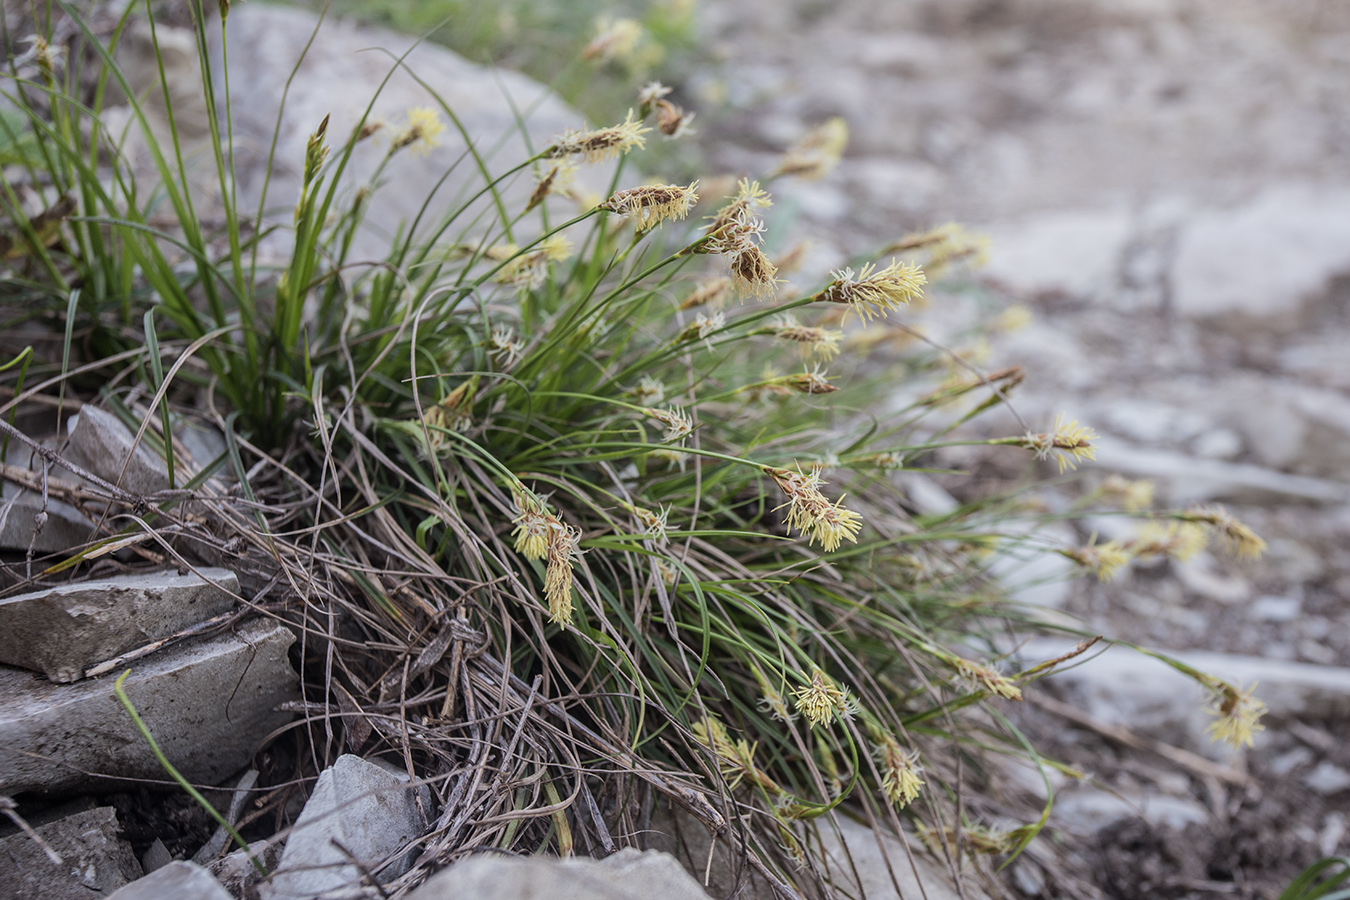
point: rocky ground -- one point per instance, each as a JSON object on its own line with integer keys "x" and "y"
{"x": 1167, "y": 187}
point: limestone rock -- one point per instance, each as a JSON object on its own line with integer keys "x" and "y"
{"x": 1306, "y": 228}
{"x": 94, "y": 859}
{"x": 207, "y": 703}
{"x": 629, "y": 874}
{"x": 176, "y": 881}
{"x": 339, "y": 76}
{"x": 62, "y": 630}
{"x": 100, "y": 443}
{"x": 367, "y": 809}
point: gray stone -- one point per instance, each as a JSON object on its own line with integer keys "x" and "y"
{"x": 877, "y": 856}
{"x": 1072, "y": 254}
{"x": 207, "y": 703}
{"x": 157, "y": 857}
{"x": 65, "y": 526}
{"x": 1327, "y": 778}
{"x": 237, "y": 873}
{"x": 100, "y": 443}
{"x": 1305, "y": 227}
{"x": 1182, "y": 480}
{"x": 94, "y": 859}
{"x": 367, "y": 809}
{"x": 339, "y": 76}
{"x": 62, "y": 630}
{"x": 1145, "y": 695}
{"x": 176, "y": 881}
{"x": 629, "y": 874}
{"x": 1088, "y": 811}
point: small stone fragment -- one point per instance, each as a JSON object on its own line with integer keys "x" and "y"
{"x": 95, "y": 860}
{"x": 101, "y": 444}
{"x": 176, "y": 881}
{"x": 369, "y": 811}
{"x": 629, "y": 874}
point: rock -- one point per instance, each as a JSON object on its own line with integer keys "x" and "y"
{"x": 176, "y": 881}
{"x": 1182, "y": 480}
{"x": 236, "y": 872}
{"x": 208, "y": 703}
{"x": 1089, "y": 811}
{"x": 887, "y": 870}
{"x": 1296, "y": 241}
{"x": 157, "y": 857}
{"x": 1073, "y": 255}
{"x": 339, "y": 76}
{"x": 62, "y": 630}
{"x": 94, "y": 859}
{"x": 1145, "y": 695}
{"x": 1202, "y": 575}
{"x": 101, "y": 444}
{"x": 630, "y": 874}
{"x": 1326, "y": 779}
{"x": 1276, "y": 609}
{"x": 361, "y": 805}
{"x": 65, "y": 526}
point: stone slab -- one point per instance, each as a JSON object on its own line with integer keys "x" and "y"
{"x": 630, "y": 874}
{"x": 176, "y": 881}
{"x": 100, "y": 443}
{"x": 369, "y": 810}
{"x": 63, "y": 630}
{"x": 208, "y": 704}
{"x": 94, "y": 859}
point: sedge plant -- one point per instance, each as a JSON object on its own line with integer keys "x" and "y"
{"x": 579, "y": 508}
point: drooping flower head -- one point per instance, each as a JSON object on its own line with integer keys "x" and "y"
{"x": 809, "y": 512}
{"x": 562, "y": 550}
{"x": 820, "y": 700}
{"x": 899, "y": 771}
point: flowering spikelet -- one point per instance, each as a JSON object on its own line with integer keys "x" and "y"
{"x": 558, "y": 178}
{"x": 1129, "y": 495}
{"x": 975, "y": 839}
{"x": 749, "y": 199}
{"x": 888, "y": 461}
{"x": 1014, "y": 318}
{"x": 1104, "y": 559}
{"x": 673, "y": 121}
{"x": 1070, "y": 442}
{"x": 503, "y": 346}
{"x": 650, "y": 205}
{"x": 1237, "y": 715}
{"x": 771, "y": 699}
{"x": 792, "y": 260}
{"x": 41, "y": 52}
{"x": 556, "y": 247}
{"x": 710, "y": 292}
{"x": 702, "y": 327}
{"x": 982, "y": 677}
{"x": 816, "y": 154}
{"x": 899, "y": 771}
{"x": 820, "y": 700}
{"x": 1240, "y": 539}
{"x": 822, "y": 343}
{"x": 678, "y": 423}
{"x": 1174, "y": 540}
{"x": 614, "y": 39}
{"x": 873, "y": 292}
{"x": 562, "y": 549}
{"x": 422, "y": 132}
{"x": 809, "y": 511}
{"x": 653, "y": 523}
{"x": 648, "y": 95}
{"x": 810, "y": 382}
{"x": 534, "y": 526}
{"x": 649, "y": 391}
{"x": 668, "y": 573}
{"x": 601, "y": 143}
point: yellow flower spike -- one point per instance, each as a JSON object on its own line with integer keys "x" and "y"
{"x": 601, "y": 143}
{"x": 650, "y": 205}
{"x": 810, "y": 512}
{"x": 562, "y": 550}
{"x": 1175, "y": 540}
{"x": 1105, "y": 560}
{"x": 899, "y": 772}
{"x": 810, "y": 382}
{"x": 1237, "y": 715}
{"x": 982, "y": 677}
{"x": 820, "y": 701}
{"x": 556, "y": 247}
{"x": 1240, "y": 539}
{"x": 816, "y": 154}
{"x": 822, "y": 343}
{"x": 614, "y": 39}
{"x": 1131, "y": 496}
{"x": 1070, "y": 442}
{"x": 872, "y": 292}
{"x": 422, "y": 133}
{"x": 678, "y": 423}
{"x": 534, "y": 527}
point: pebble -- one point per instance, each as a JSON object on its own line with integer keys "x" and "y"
{"x": 1326, "y": 779}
